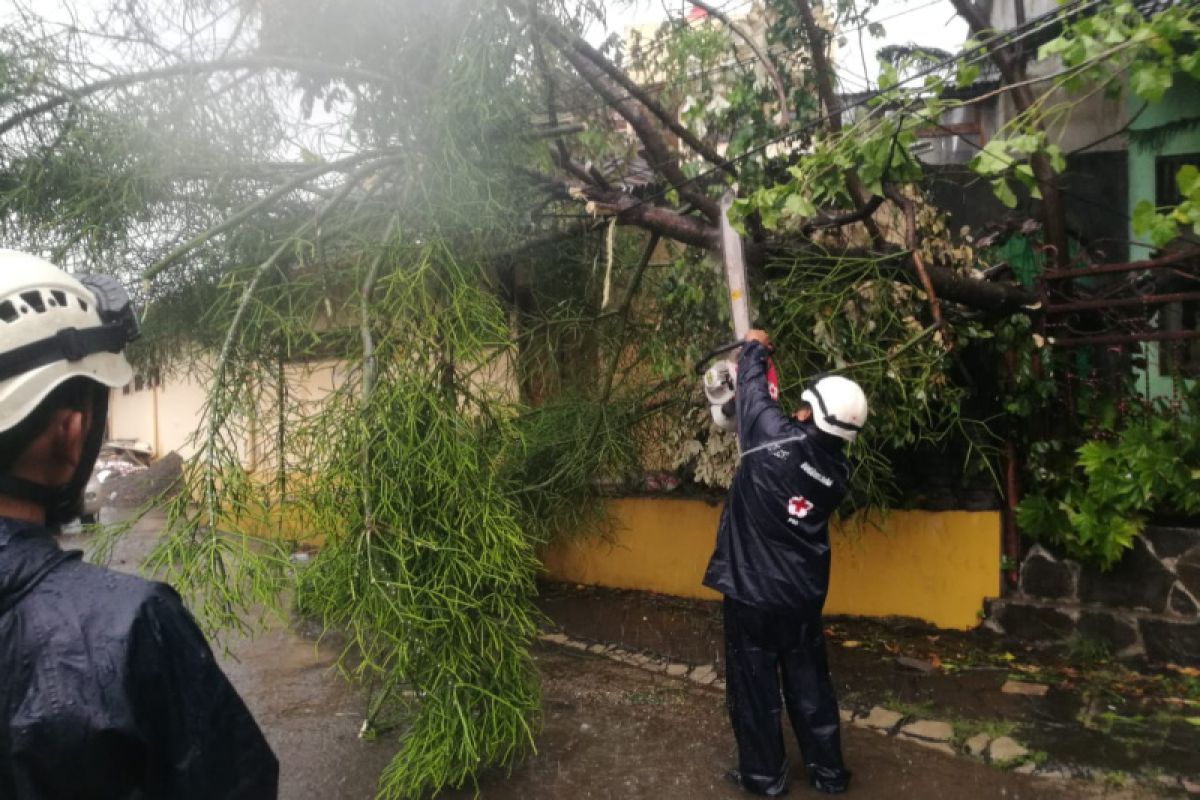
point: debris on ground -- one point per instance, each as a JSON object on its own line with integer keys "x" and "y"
{"x": 1070, "y": 711}
{"x": 1024, "y": 688}
{"x": 135, "y": 486}
{"x": 614, "y": 724}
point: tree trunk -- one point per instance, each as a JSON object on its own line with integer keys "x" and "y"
{"x": 1054, "y": 215}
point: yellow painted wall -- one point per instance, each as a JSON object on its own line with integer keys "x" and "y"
{"x": 935, "y": 566}
{"x": 178, "y": 406}
{"x": 168, "y": 416}
{"x": 132, "y": 415}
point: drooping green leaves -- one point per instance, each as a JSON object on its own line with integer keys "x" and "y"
{"x": 1092, "y": 502}
{"x": 1150, "y": 81}
{"x": 1112, "y": 48}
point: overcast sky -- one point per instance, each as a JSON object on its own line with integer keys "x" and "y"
{"x": 926, "y": 22}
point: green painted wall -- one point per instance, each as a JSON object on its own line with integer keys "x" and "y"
{"x": 1181, "y": 100}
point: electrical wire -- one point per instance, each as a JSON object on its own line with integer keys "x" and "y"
{"x": 1010, "y": 162}
{"x": 750, "y": 59}
{"x": 971, "y": 56}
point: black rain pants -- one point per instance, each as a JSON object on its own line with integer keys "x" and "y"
{"x": 761, "y": 647}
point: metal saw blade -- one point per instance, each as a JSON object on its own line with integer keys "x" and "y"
{"x": 735, "y": 269}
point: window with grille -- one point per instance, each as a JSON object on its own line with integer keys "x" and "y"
{"x": 1166, "y": 190}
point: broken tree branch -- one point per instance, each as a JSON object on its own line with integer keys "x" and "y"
{"x": 1053, "y": 210}
{"x": 659, "y": 155}
{"x": 565, "y": 40}
{"x": 629, "y": 210}
{"x": 839, "y": 220}
{"x": 767, "y": 65}
{"x": 914, "y": 248}
{"x": 825, "y": 74}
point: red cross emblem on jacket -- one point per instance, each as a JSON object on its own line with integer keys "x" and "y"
{"x": 799, "y": 507}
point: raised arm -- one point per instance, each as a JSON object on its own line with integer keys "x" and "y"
{"x": 758, "y": 414}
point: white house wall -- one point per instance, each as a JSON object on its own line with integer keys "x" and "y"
{"x": 1092, "y": 119}
{"x": 168, "y": 416}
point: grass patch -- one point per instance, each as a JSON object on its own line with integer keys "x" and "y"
{"x": 1035, "y": 757}
{"x": 923, "y": 710}
{"x": 966, "y": 729}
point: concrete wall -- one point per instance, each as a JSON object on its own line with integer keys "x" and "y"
{"x": 1092, "y": 118}
{"x": 935, "y": 566}
{"x": 1181, "y": 101}
{"x": 168, "y": 416}
{"x": 164, "y": 416}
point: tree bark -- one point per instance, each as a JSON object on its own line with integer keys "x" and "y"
{"x": 661, "y": 158}
{"x": 1054, "y": 215}
{"x": 767, "y": 65}
{"x": 565, "y": 40}
{"x": 913, "y": 244}
{"x": 825, "y": 89}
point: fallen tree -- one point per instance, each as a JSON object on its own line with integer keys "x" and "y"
{"x": 434, "y": 192}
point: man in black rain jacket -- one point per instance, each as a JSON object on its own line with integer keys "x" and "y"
{"x": 772, "y": 564}
{"x": 108, "y": 690}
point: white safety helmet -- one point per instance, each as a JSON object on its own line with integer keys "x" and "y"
{"x": 839, "y": 406}
{"x": 54, "y": 327}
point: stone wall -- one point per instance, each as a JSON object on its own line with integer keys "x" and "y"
{"x": 1147, "y": 605}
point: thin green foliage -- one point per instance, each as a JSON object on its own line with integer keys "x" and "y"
{"x": 847, "y": 316}
{"x": 434, "y": 587}
{"x": 428, "y": 487}
{"x": 479, "y": 393}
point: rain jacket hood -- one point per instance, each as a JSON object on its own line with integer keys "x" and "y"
{"x": 109, "y": 690}
{"x": 772, "y": 549}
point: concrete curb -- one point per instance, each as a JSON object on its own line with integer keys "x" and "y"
{"x": 1000, "y": 751}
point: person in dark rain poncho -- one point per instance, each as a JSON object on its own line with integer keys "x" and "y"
{"x": 108, "y": 689}
{"x": 772, "y": 564}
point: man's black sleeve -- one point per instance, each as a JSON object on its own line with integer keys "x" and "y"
{"x": 759, "y": 418}
{"x": 202, "y": 742}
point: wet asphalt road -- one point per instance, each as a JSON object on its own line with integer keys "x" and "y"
{"x": 609, "y": 731}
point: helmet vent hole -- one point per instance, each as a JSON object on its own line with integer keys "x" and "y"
{"x": 58, "y": 298}
{"x": 35, "y": 301}
{"x": 83, "y": 304}
{"x": 8, "y": 312}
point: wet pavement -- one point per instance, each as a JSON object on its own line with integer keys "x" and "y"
{"x": 614, "y": 731}
{"x": 609, "y": 730}
{"x": 1095, "y": 714}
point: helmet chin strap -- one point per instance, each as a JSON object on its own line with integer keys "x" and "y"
{"x": 64, "y": 503}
